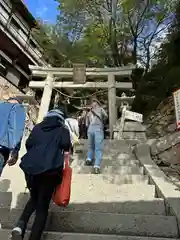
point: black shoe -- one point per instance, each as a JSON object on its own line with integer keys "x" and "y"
{"x": 88, "y": 163}
{"x": 96, "y": 170}
{"x": 16, "y": 234}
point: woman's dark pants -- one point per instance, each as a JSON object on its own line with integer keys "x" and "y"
{"x": 41, "y": 189}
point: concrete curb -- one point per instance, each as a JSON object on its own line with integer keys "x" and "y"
{"x": 164, "y": 188}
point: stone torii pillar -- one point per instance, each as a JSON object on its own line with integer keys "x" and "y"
{"x": 125, "y": 102}
{"x": 46, "y": 97}
{"x": 112, "y": 102}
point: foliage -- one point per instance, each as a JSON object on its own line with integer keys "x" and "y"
{"x": 47, "y": 39}
{"x": 115, "y": 33}
{"x": 106, "y": 32}
{"x": 164, "y": 77}
{"x": 129, "y": 29}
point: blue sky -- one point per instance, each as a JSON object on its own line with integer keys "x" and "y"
{"x": 45, "y": 9}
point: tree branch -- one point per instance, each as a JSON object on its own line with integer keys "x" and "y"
{"x": 142, "y": 14}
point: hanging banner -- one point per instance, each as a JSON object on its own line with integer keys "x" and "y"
{"x": 134, "y": 116}
{"x": 176, "y": 96}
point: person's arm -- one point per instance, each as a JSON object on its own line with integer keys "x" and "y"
{"x": 17, "y": 148}
{"x": 29, "y": 141}
{"x": 65, "y": 139}
{"x": 67, "y": 126}
{"x": 16, "y": 124}
{"x": 104, "y": 113}
{"x": 87, "y": 119}
{"x": 13, "y": 157}
{"x": 76, "y": 128}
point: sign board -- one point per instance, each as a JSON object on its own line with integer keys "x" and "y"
{"x": 79, "y": 73}
{"x": 176, "y": 96}
{"x": 134, "y": 116}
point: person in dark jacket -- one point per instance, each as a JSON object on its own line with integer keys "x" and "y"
{"x": 42, "y": 164}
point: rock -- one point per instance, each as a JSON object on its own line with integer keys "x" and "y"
{"x": 134, "y": 127}
{"x": 171, "y": 128}
{"x": 162, "y": 120}
{"x": 164, "y": 143}
{"x": 165, "y": 140}
{"x": 151, "y": 141}
{"x": 141, "y": 136}
{"x": 171, "y": 156}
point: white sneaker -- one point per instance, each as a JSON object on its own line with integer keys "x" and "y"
{"x": 17, "y": 233}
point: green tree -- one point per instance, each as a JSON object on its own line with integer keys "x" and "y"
{"x": 56, "y": 45}
{"x": 95, "y": 19}
{"x": 163, "y": 77}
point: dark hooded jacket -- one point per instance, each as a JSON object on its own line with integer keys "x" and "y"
{"x": 45, "y": 147}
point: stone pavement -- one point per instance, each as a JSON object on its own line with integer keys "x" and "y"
{"x": 117, "y": 204}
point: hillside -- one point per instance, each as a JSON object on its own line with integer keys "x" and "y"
{"x": 164, "y": 139}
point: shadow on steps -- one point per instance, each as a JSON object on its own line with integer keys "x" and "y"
{"x": 4, "y": 185}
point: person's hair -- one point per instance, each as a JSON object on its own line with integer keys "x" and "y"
{"x": 62, "y": 109}
{"x": 95, "y": 100}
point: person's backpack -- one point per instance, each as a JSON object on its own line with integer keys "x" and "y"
{"x": 74, "y": 137}
{"x": 103, "y": 120}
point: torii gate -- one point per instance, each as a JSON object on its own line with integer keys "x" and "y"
{"x": 79, "y": 74}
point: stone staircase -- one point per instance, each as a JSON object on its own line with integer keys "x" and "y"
{"x": 117, "y": 204}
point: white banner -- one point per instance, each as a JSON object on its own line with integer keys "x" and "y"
{"x": 134, "y": 116}
{"x": 176, "y": 96}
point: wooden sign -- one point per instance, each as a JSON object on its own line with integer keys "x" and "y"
{"x": 176, "y": 96}
{"x": 134, "y": 116}
{"x": 79, "y": 73}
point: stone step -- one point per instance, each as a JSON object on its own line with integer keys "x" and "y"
{"x": 120, "y": 162}
{"x": 94, "y": 187}
{"x": 112, "y": 154}
{"x": 111, "y": 170}
{"x": 143, "y": 207}
{"x": 17, "y": 185}
{"x": 102, "y": 223}
{"x": 4, "y": 234}
{"x": 103, "y": 203}
{"x": 114, "y": 179}
{"x": 96, "y": 184}
{"x": 120, "y": 156}
{"x": 107, "y": 182}
{"x": 79, "y": 161}
{"x": 107, "y": 153}
{"x": 106, "y": 161}
{"x": 110, "y": 146}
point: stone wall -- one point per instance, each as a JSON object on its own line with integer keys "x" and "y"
{"x": 161, "y": 130}
{"x": 164, "y": 139}
{"x": 166, "y": 149}
{"x": 162, "y": 121}
{"x": 132, "y": 131}
{"x": 7, "y": 89}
